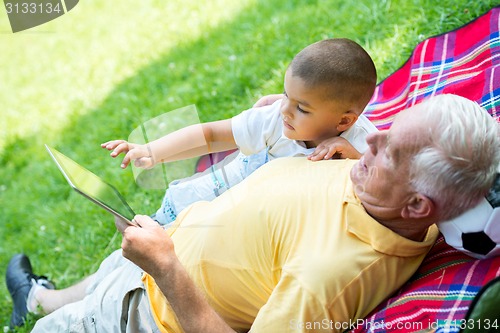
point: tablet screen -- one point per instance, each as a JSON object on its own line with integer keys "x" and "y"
{"x": 91, "y": 186}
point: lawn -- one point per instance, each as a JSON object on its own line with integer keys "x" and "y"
{"x": 106, "y": 67}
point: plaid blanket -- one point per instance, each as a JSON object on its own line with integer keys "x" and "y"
{"x": 464, "y": 62}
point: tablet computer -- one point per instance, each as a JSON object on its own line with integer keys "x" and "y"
{"x": 92, "y": 187}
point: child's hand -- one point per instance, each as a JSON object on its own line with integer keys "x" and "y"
{"x": 140, "y": 154}
{"x": 267, "y": 100}
{"x": 336, "y": 147}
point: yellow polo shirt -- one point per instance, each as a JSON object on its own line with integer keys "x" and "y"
{"x": 290, "y": 249}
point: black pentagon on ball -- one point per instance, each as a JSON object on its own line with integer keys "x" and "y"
{"x": 477, "y": 242}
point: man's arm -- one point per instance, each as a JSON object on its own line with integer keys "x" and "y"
{"x": 150, "y": 247}
{"x": 188, "y": 142}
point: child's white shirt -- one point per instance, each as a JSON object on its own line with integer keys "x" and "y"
{"x": 258, "y": 132}
{"x": 260, "y": 128}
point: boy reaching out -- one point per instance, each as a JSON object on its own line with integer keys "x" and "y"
{"x": 326, "y": 88}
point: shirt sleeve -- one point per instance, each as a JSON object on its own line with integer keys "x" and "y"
{"x": 256, "y": 128}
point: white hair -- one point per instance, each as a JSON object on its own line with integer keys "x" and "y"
{"x": 459, "y": 165}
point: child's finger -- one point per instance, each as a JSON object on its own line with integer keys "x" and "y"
{"x": 125, "y": 161}
{"x": 317, "y": 155}
{"x": 111, "y": 144}
{"x": 121, "y": 148}
{"x": 331, "y": 152}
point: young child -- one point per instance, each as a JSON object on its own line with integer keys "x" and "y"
{"x": 326, "y": 87}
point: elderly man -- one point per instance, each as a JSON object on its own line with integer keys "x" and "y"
{"x": 298, "y": 246}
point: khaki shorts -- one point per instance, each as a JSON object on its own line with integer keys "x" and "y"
{"x": 116, "y": 301}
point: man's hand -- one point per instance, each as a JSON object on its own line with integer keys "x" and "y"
{"x": 121, "y": 224}
{"x": 336, "y": 147}
{"x": 268, "y": 100}
{"x": 150, "y": 247}
{"x": 140, "y": 154}
{"x": 147, "y": 245}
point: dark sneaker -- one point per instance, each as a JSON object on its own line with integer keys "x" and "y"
{"x": 20, "y": 279}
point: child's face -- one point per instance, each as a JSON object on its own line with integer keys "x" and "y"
{"x": 307, "y": 115}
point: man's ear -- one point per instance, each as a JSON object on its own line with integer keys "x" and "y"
{"x": 347, "y": 120}
{"x": 419, "y": 206}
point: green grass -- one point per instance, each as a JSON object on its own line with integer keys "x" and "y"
{"x": 104, "y": 68}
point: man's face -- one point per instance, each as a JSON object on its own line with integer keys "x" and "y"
{"x": 381, "y": 177}
{"x": 307, "y": 115}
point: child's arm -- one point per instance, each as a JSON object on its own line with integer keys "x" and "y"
{"x": 191, "y": 141}
{"x": 334, "y": 147}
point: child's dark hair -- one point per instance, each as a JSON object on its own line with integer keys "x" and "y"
{"x": 340, "y": 65}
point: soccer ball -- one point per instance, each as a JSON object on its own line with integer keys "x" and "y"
{"x": 477, "y": 231}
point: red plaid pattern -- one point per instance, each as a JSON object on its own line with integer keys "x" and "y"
{"x": 464, "y": 62}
